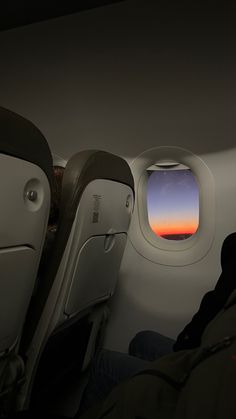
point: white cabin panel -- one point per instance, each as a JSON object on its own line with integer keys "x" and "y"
{"x": 161, "y": 297}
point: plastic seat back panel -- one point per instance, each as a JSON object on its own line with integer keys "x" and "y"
{"x": 16, "y": 289}
{"x": 23, "y": 224}
{"x": 98, "y": 275}
{"x": 98, "y": 241}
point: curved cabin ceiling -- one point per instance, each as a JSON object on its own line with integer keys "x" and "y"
{"x": 21, "y": 13}
{"x": 125, "y": 77}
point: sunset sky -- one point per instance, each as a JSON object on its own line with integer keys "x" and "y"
{"x": 173, "y": 202}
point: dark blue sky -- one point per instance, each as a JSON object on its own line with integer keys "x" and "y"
{"x": 173, "y": 201}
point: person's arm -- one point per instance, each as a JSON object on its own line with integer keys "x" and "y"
{"x": 211, "y": 304}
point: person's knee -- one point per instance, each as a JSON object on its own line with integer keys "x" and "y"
{"x": 139, "y": 342}
{"x": 150, "y": 345}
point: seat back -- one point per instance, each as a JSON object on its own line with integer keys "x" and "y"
{"x": 25, "y": 177}
{"x": 98, "y": 234}
{"x": 96, "y": 207}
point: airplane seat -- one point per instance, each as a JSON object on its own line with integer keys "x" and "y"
{"x": 100, "y": 203}
{"x": 96, "y": 206}
{"x": 25, "y": 180}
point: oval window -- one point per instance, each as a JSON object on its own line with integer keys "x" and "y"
{"x": 172, "y": 201}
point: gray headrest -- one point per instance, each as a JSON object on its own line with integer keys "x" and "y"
{"x": 20, "y": 138}
{"x": 86, "y": 166}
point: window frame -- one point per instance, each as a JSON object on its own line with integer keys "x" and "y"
{"x": 142, "y": 237}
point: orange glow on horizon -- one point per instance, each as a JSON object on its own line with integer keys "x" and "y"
{"x": 181, "y": 228}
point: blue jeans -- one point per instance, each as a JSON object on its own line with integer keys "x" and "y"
{"x": 110, "y": 368}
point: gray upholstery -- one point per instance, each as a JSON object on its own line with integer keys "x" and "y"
{"x": 96, "y": 207}
{"x": 21, "y": 139}
{"x": 25, "y": 178}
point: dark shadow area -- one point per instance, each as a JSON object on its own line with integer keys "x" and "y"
{"x": 23, "y": 13}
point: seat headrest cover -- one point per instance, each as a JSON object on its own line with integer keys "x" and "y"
{"x": 20, "y": 138}
{"x": 86, "y": 166}
{"x": 228, "y": 251}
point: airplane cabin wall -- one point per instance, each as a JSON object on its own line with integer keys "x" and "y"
{"x": 162, "y": 297}
{"x": 126, "y": 78}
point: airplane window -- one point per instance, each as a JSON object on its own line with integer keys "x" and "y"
{"x": 172, "y": 202}
{"x": 173, "y": 222}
